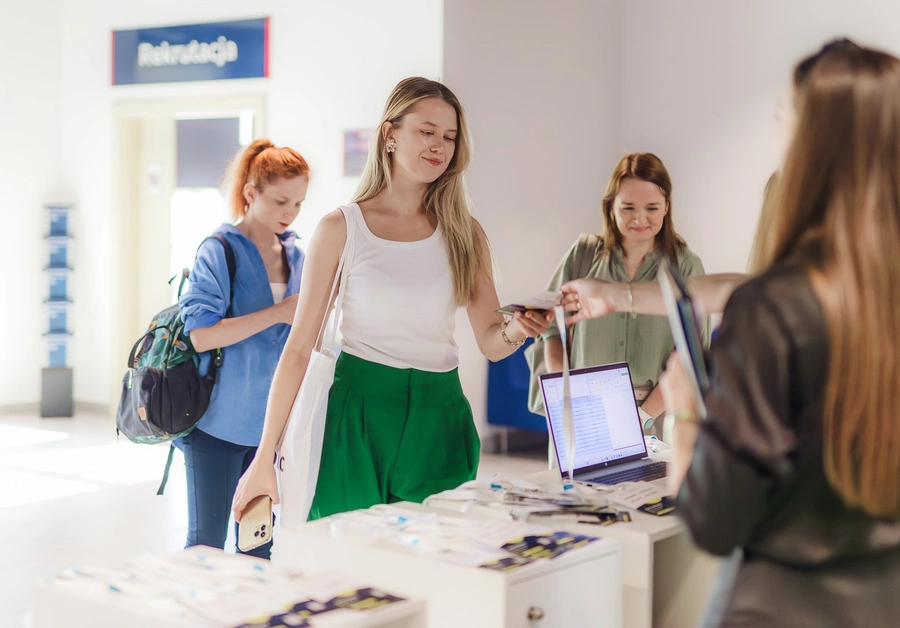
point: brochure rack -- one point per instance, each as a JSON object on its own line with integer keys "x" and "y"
{"x": 56, "y": 377}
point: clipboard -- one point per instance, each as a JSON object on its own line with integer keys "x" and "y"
{"x": 684, "y": 320}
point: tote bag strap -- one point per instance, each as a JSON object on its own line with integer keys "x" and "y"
{"x": 327, "y": 335}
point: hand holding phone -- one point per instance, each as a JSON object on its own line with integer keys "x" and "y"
{"x": 255, "y": 528}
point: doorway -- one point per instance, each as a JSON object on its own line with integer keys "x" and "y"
{"x": 171, "y": 160}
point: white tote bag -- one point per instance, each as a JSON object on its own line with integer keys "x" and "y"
{"x": 299, "y": 452}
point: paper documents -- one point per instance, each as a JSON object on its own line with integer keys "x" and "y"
{"x": 541, "y": 302}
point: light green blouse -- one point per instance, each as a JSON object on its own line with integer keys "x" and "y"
{"x": 645, "y": 342}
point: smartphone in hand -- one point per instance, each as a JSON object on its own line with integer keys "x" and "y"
{"x": 255, "y": 528}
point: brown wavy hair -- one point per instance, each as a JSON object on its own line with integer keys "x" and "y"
{"x": 647, "y": 167}
{"x": 260, "y": 164}
{"x": 837, "y": 210}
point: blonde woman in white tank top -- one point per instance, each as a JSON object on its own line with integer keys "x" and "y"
{"x": 398, "y": 425}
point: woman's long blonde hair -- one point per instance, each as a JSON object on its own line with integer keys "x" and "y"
{"x": 837, "y": 210}
{"x": 446, "y": 197}
{"x": 754, "y": 263}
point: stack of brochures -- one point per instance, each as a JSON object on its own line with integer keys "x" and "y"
{"x": 486, "y": 544}
{"x": 521, "y": 500}
{"x": 207, "y": 587}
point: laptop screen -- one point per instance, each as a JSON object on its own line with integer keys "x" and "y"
{"x": 604, "y": 415}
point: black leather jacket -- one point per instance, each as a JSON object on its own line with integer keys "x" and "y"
{"x": 757, "y": 481}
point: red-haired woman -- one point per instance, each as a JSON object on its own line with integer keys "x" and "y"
{"x": 251, "y": 316}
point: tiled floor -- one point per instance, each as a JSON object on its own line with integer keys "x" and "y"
{"x": 70, "y": 494}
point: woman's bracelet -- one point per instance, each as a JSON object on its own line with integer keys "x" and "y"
{"x": 631, "y": 300}
{"x": 506, "y": 339}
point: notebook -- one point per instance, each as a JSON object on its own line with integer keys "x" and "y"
{"x": 609, "y": 439}
{"x": 684, "y": 320}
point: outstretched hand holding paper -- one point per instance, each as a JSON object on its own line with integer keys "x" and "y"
{"x": 541, "y": 302}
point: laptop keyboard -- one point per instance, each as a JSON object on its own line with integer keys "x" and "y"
{"x": 646, "y": 473}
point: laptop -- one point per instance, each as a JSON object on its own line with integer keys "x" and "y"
{"x": 609, "y": 438}
{"x": 684, "y": 320}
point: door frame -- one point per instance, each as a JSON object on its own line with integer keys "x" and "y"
{"x": 144, "y": 179}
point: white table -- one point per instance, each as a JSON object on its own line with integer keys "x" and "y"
{"x": 54, "y": 606}
{"x": 666, "y": 580}
{"x": 579, "y": 588}
{"x": 87, "y": 601}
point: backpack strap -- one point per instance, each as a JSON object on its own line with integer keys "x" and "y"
{"x": 135, "y": 356}
{"x": 229, "y": 258}
{"x": 219, "y": 358}
{"x": 229, "y": 261}
{"x": 165, "y": 477}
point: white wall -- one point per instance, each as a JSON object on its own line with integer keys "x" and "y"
{"x": 539, "y": 84}
{"x": 555, "y": 93}
{"x": 332, "y": 64}
{"x": 31, "y": 117}
{"x": 701, "y": 80}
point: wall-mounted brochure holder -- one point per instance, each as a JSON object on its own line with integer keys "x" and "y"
{"x": 56, "y": 377}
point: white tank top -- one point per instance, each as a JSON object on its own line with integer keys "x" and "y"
{"x": 399, "y": 307}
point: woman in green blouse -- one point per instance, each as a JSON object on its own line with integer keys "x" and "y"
{"x": 637, "y": 233}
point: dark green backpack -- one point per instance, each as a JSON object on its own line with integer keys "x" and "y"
{"x": 163, "y": 393}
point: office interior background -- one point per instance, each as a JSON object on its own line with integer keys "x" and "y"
{"x": 555, "y": 93}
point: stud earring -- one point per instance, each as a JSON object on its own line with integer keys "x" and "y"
{"x": 391, "y": 145}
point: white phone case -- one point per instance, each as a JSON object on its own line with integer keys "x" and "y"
{"x": 255, "y": 528}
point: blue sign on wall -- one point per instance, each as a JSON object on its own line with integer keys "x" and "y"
{"x": 193, "y": 52}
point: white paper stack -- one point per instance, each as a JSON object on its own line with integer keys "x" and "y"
{"x": 205, "y": 587}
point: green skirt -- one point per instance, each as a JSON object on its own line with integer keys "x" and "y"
{"x": 393, "y": 435}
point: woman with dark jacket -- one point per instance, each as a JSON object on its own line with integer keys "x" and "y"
{"x": 795, "y": 471}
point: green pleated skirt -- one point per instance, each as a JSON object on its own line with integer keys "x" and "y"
{"x": 392, "y": 435}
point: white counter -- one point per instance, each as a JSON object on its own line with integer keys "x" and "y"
{"x": 582, "y": 587}
{"x": 666, "y": 580}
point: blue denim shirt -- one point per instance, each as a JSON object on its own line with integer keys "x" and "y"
{"x": 238, "y": 405}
